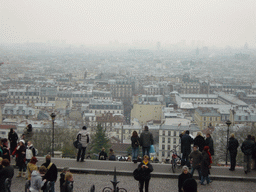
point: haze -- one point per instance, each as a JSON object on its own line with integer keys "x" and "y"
{"x": 129, "y": 23}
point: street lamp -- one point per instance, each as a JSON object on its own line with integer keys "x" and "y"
{"x": 228, "y": 124}
{"x": 53, "y": 117}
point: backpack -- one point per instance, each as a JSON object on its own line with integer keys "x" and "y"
{"x": 136, "y": 174}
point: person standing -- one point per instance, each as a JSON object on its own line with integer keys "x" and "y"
{"x": 232, "y": 147}
{"x": 52, "y": 172}
{"x": 30, "y": 152}
{"x": 247, "y": 148}
{"x": 111, "y": 155}
{"x": 36, "y": 181}
{"x": 135, "y": 146}
{"x": 197, "y": 158}
{"x": 5, "y": 149}
{"x": 183, "y": 177}
{"x": 146, "y": 139}
{"x": 205, "y": 165}
{"x": 186, "y": 142}
{"x": 209, "y": 143}
{"x": 32, "y": 167}
{"x": 144, "y": 168}
{"x": 13, "y": 138}
{"x": 199, "y": 141}
{"x": 21, "y": 155}
{"x": 62, "y": 176}
{"x": 67, "y": 186}
{"x": 83, "y": 137}
{"x": 28, "y": 133}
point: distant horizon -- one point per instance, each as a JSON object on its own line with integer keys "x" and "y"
{"x": 181, "y": 23}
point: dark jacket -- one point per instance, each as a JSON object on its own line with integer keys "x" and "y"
{"x": 197, "y": 158}
{"x": 146, "y": 139}
{"x": 103, "y": 155}
{"x": 247, "y": 147}
{"x": 12, "y": 137}
{"x": 62, "y": 179}
{"x": 233, "y": 145}
{"x": 135, "y": 142}
{"x": 200, "y": 142}
{"x": 52, "y": 172}
{"x": 205, "y": 170}
{"x": 21, "y": 155}
{"x": 6, "y": 153}
{"x": 145, "y": 172}
{"x": 5, "y": 173}
{"x": 186, "y": 142}
{"x": 182, "y": 178}
{"x": 209, "y": 142}
{"x": 67, "y": 187}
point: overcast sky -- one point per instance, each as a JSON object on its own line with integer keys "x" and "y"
{"x": 214, "y": 22}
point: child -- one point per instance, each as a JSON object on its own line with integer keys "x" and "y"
{"x": 62, "y": 176}
{"x": 68, "y": 184}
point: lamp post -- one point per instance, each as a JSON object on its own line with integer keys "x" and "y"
{"x": 53, "y": 117}
{"x": 228, "y": 124}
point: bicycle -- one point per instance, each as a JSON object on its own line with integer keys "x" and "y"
{"x": 176, "y": 160}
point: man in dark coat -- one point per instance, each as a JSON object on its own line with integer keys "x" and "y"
{"x": 6, "y": 172}
{"x": 199, "y": 141}
{"x": 186, "y": 142}
{"x": 209, "y": 143}
{"x": 13, "y": 138}
{"x": 197, "y": 158}
{"x": 146, "y": 139}
{"x": 232, "y": 147}
{"x": 52, "y": 172}
{"x": 247, "y": 148}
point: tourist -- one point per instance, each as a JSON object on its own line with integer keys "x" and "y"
{"x": 183, "y": 177}
{"x": 13, "y": 138}
{"x": 36, "y": 180}
{"x": 30, "y": 152}
{"x": 146, "y": 139}
{"x": 135, "y": 141}
{"x": 190, "y": 185}
{"x": 206, "y": 165}
{"x": 31, "y": 167}
{"x": 21, "y": 154}
{"x": 197, "y": 158}
{"x": 6, "y": 172}
{"x": 186, "y": 142}
{"x": 209, "y": 143}
{"x": 51, "y": 174}
{"x": 103, "y": 155}
{"x": 145, "y": 168}
{"x": 199, "y": 141}
{"x": 247, "y": 148}
{"x": 232, "y": 147}
{"x": 68, "y": 184}
{"x": 83, "y": 137}
{"x": 111, "y": 155}
{"x": 62, "y": 176}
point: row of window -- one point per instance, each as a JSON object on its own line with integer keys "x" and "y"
{"x": 21, "y": 112}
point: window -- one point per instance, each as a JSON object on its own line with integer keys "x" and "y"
{"x": 204, "y": 118}
{"x": 169, "y": 133}
{"x": 163, "y": 140}
{"x": 169, "y": 147}
{"x": 239, "y": 118}
{"x": 174, "y": 140}
{"x": 163, "y": 147}
{"x": 169, "y": 140}
{"x": 210, "y": 118}
{"x": 174, "y": 134}
{"x": 163, "y": 132}
{"x": 246, "y": 117}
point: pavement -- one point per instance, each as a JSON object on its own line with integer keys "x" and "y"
{"x": 123, "y": 168}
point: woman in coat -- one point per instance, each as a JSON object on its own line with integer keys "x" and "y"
{"x": 183, "y": 177}
{"x": 21, "y": 152}
{"x": 31, "y": 167}
{"x": 145, "y": 168}
{"x": 205, "y": 165}
{"x": 135, "y": 146}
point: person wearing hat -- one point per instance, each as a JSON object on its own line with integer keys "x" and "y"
{"x": 83, "y": 138}
{"x": 21, "y": 152}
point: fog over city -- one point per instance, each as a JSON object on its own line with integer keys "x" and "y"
{"x": 117, "y": 66}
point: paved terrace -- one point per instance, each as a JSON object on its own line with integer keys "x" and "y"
{"x": 160, "y": 170}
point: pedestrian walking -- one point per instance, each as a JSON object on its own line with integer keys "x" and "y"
{"x": 103, "y": 155}
{"x": 145, "y": 169}
{"x": 21, "y": 158}
{"x": 183, "y": 177}
{"x": 206, "y": 165}
{"x": 135, "y": 140}
{"x": 199, "y": 141}
{"x": 186, "y": 142}
{"x": 83, "y": 138}
{"x": 232, "y": 147}
{"x": 52, "y": 172}
{"x": 13, "y": 138}
{"x": 146, "y": 139}
{"x": 209, "y": 143}
{"x": 68, "y": 184}
{"x": 31, "y": 166}
{"x": 247, "y": 148}
{"x": 197, "y": 158}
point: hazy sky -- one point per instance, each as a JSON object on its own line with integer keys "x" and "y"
{"x": 215, "y": 22}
